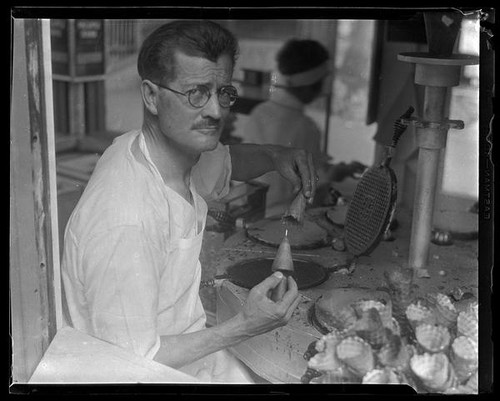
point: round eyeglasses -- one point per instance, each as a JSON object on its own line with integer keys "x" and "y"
{"x": 199, "y": 96}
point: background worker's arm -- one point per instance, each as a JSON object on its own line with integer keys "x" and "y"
{"x": 259, "y": 315}
{"x": 296, "y": 165}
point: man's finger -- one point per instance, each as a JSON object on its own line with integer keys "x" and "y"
{"x": 305, "y": 175}
{"x": 291, "y": 293}
{"x": 314, "y": 177}
{"x": 292, "y": 307}
{"x": 270, "y": 282}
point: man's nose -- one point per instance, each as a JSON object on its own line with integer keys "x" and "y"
{"x": 212, "y": 108}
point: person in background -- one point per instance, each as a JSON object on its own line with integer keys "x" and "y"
{"x": 303, "y": 66}
{"x": 130, "y": 268}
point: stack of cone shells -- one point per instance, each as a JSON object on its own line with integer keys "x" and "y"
{"x": 441, "y": 355}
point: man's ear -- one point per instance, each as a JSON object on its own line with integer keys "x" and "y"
{"x": 150, "y": 93}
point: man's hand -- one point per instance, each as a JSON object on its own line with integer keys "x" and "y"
{"x": 250, "y": 161}
{"x": 260, "y": 314}
{"x": 296, "y": 165}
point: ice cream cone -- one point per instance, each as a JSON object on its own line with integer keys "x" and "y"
{"x": 434, "y": 370}
{"x": 432, "y": 338}
{"x": 464, "y": 356}
{"x": 356, "y": 354}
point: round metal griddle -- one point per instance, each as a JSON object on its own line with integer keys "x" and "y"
{"x": 249, "y": 273}
{"x": 270, "y": 231}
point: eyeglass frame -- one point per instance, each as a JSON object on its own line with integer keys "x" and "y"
{"x": 187, "y": 94}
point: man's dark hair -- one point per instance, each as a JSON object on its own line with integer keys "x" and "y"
{"x": 299, "y": 55}
{"x": 200, "y": 38}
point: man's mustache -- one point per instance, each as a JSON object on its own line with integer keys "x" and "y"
{"x": 208, "y": 124}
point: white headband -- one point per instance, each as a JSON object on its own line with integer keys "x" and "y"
{"x": 302, "y": 78}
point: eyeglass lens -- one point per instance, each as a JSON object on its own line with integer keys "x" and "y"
{"x": 199, "y": 97}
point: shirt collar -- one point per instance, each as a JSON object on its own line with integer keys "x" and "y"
{"x": 285, "y": 98}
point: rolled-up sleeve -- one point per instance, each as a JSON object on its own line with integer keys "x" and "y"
{"x": 120, "y": 274}
{"x": 212, "y": 174}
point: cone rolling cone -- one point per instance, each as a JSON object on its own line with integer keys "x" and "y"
{"x": 283, "y": 260}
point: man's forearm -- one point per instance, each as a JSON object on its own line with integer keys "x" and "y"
{"x": 179, "y": 350}
{"x": 250, "y": 161}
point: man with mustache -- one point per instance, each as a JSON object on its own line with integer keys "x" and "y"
{"x": 130, "y": 267}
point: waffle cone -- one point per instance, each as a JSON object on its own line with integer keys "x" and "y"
{"x": 417, "y": 314}
{"x": 434, "y": 370}
{"x": 356, "y": 354}
{"x": 371, "y": 329}
{"x": 468, "y": 325}
{"x": 384, "y": 310}
{"x": 326, "y": 359}
{"x": 464, "y": 356}
{"x": 342, "y": 375}
{"x": 432, "y": 338}
{"x": 473, "y": 381}
{"x": 446, "y": 313}
{"x": 474, "y": 309}
{"x": 460, "y": 389}
{"x": 381, "y": 376}
{"x": 395, "y": 354}
{"x": 296, "y": 211}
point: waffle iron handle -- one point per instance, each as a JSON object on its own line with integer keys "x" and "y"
{"x": 399, "y": 129}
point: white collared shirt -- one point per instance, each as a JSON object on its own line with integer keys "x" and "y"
{"x": 130, "y": 266}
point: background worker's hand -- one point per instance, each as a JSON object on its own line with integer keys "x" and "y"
{"x": 260, "y": 314}
{"x": 296, "y": 165}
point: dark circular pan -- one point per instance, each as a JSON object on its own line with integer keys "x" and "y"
{"x": 250, "y": 272}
